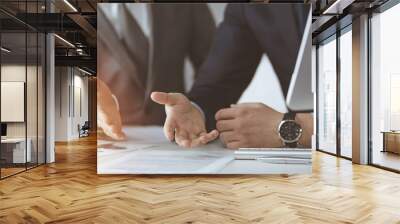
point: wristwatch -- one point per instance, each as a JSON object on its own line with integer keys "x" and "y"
{"x": 289, "y": 130}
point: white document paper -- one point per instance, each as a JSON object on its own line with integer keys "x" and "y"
{"x": 148, "y": 152}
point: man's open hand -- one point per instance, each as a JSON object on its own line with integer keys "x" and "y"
{"x": 184, "y": 122}
{"x": 249, "y": 125}
{"x": 108, "y": 116}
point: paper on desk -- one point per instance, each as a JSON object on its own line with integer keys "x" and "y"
{"x": 138, "y": 156}
{"x": 148, "y": 152}
{"x": 162, "y": 158}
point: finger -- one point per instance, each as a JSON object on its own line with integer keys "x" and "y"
{"x": 233, "y": 145}
{"x": 169, "y": 129}
{"x": 202, "y": 134}
{"x": 225, "y": 125}
{"x": 185, "y": 143}
{"x": 195, "y": 140}
{"x": 166, "y": 98}
{"x": 114, "y": 132}
{"x": 229, "y": 136}
{"x": 196, "y": 143}
{"x": 226, "y": 114}
{"x": 181, "y": 138}
{"x": 159, "y": 97}
{"x": 208, "y": 137}
{"x": 204, "y": 138}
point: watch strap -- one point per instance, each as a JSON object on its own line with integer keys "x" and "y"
{"x": 289, "y": 116}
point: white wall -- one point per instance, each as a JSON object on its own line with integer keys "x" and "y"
{"x": 12, "y": 100}
{"x": 61, "y": 103}
{"x": 12, "y": 73}
{"x": 79, "y": 117}
{"x": 33, "y": 126}
{"x": 70, "y": 84}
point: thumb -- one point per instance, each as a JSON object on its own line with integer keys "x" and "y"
{"x": 166, "y": 98}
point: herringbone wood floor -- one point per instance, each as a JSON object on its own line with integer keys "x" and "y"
{"x": 70, "y": 191}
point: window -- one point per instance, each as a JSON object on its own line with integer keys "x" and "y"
{"x": 22, "y": 77}
{"x": 327, "y": 95}
{"x": 385, "y": 89}
{"x": 346, "y": 92}
{"x": 334, "y": 97}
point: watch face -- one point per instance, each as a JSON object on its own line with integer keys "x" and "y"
{"x": 289, "y": 131}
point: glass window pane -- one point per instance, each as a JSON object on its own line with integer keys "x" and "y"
{"x": 14, "y": 153}
{"x": 41, "y": 98}
{"x": 22, "y": 86}
{"x": 385, "y": 87}
{"x": 327, "y": 97}
{"x": 346, "y": 94}
{"x": 31, "y": 97}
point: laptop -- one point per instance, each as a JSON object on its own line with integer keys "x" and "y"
{"x": 300, "y": 97}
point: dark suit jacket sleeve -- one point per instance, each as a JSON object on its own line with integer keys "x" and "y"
{"x": 203, "y": 30}
{"x": 230, "y": 66}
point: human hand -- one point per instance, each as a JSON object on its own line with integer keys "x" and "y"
{"x": 184, "y": 122}
{"x": 249, "y": 125}
{"x": 108, "y": 116}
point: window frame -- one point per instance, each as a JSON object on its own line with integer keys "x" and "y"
{"x": 27, "y": 29}
{"x": 333, "y": 37}
{"x": 377, "y": 10}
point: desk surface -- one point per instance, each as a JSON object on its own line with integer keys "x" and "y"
{"x": 147, "y": 151}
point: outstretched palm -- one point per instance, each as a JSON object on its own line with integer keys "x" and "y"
{"x": 184, "y": 123}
